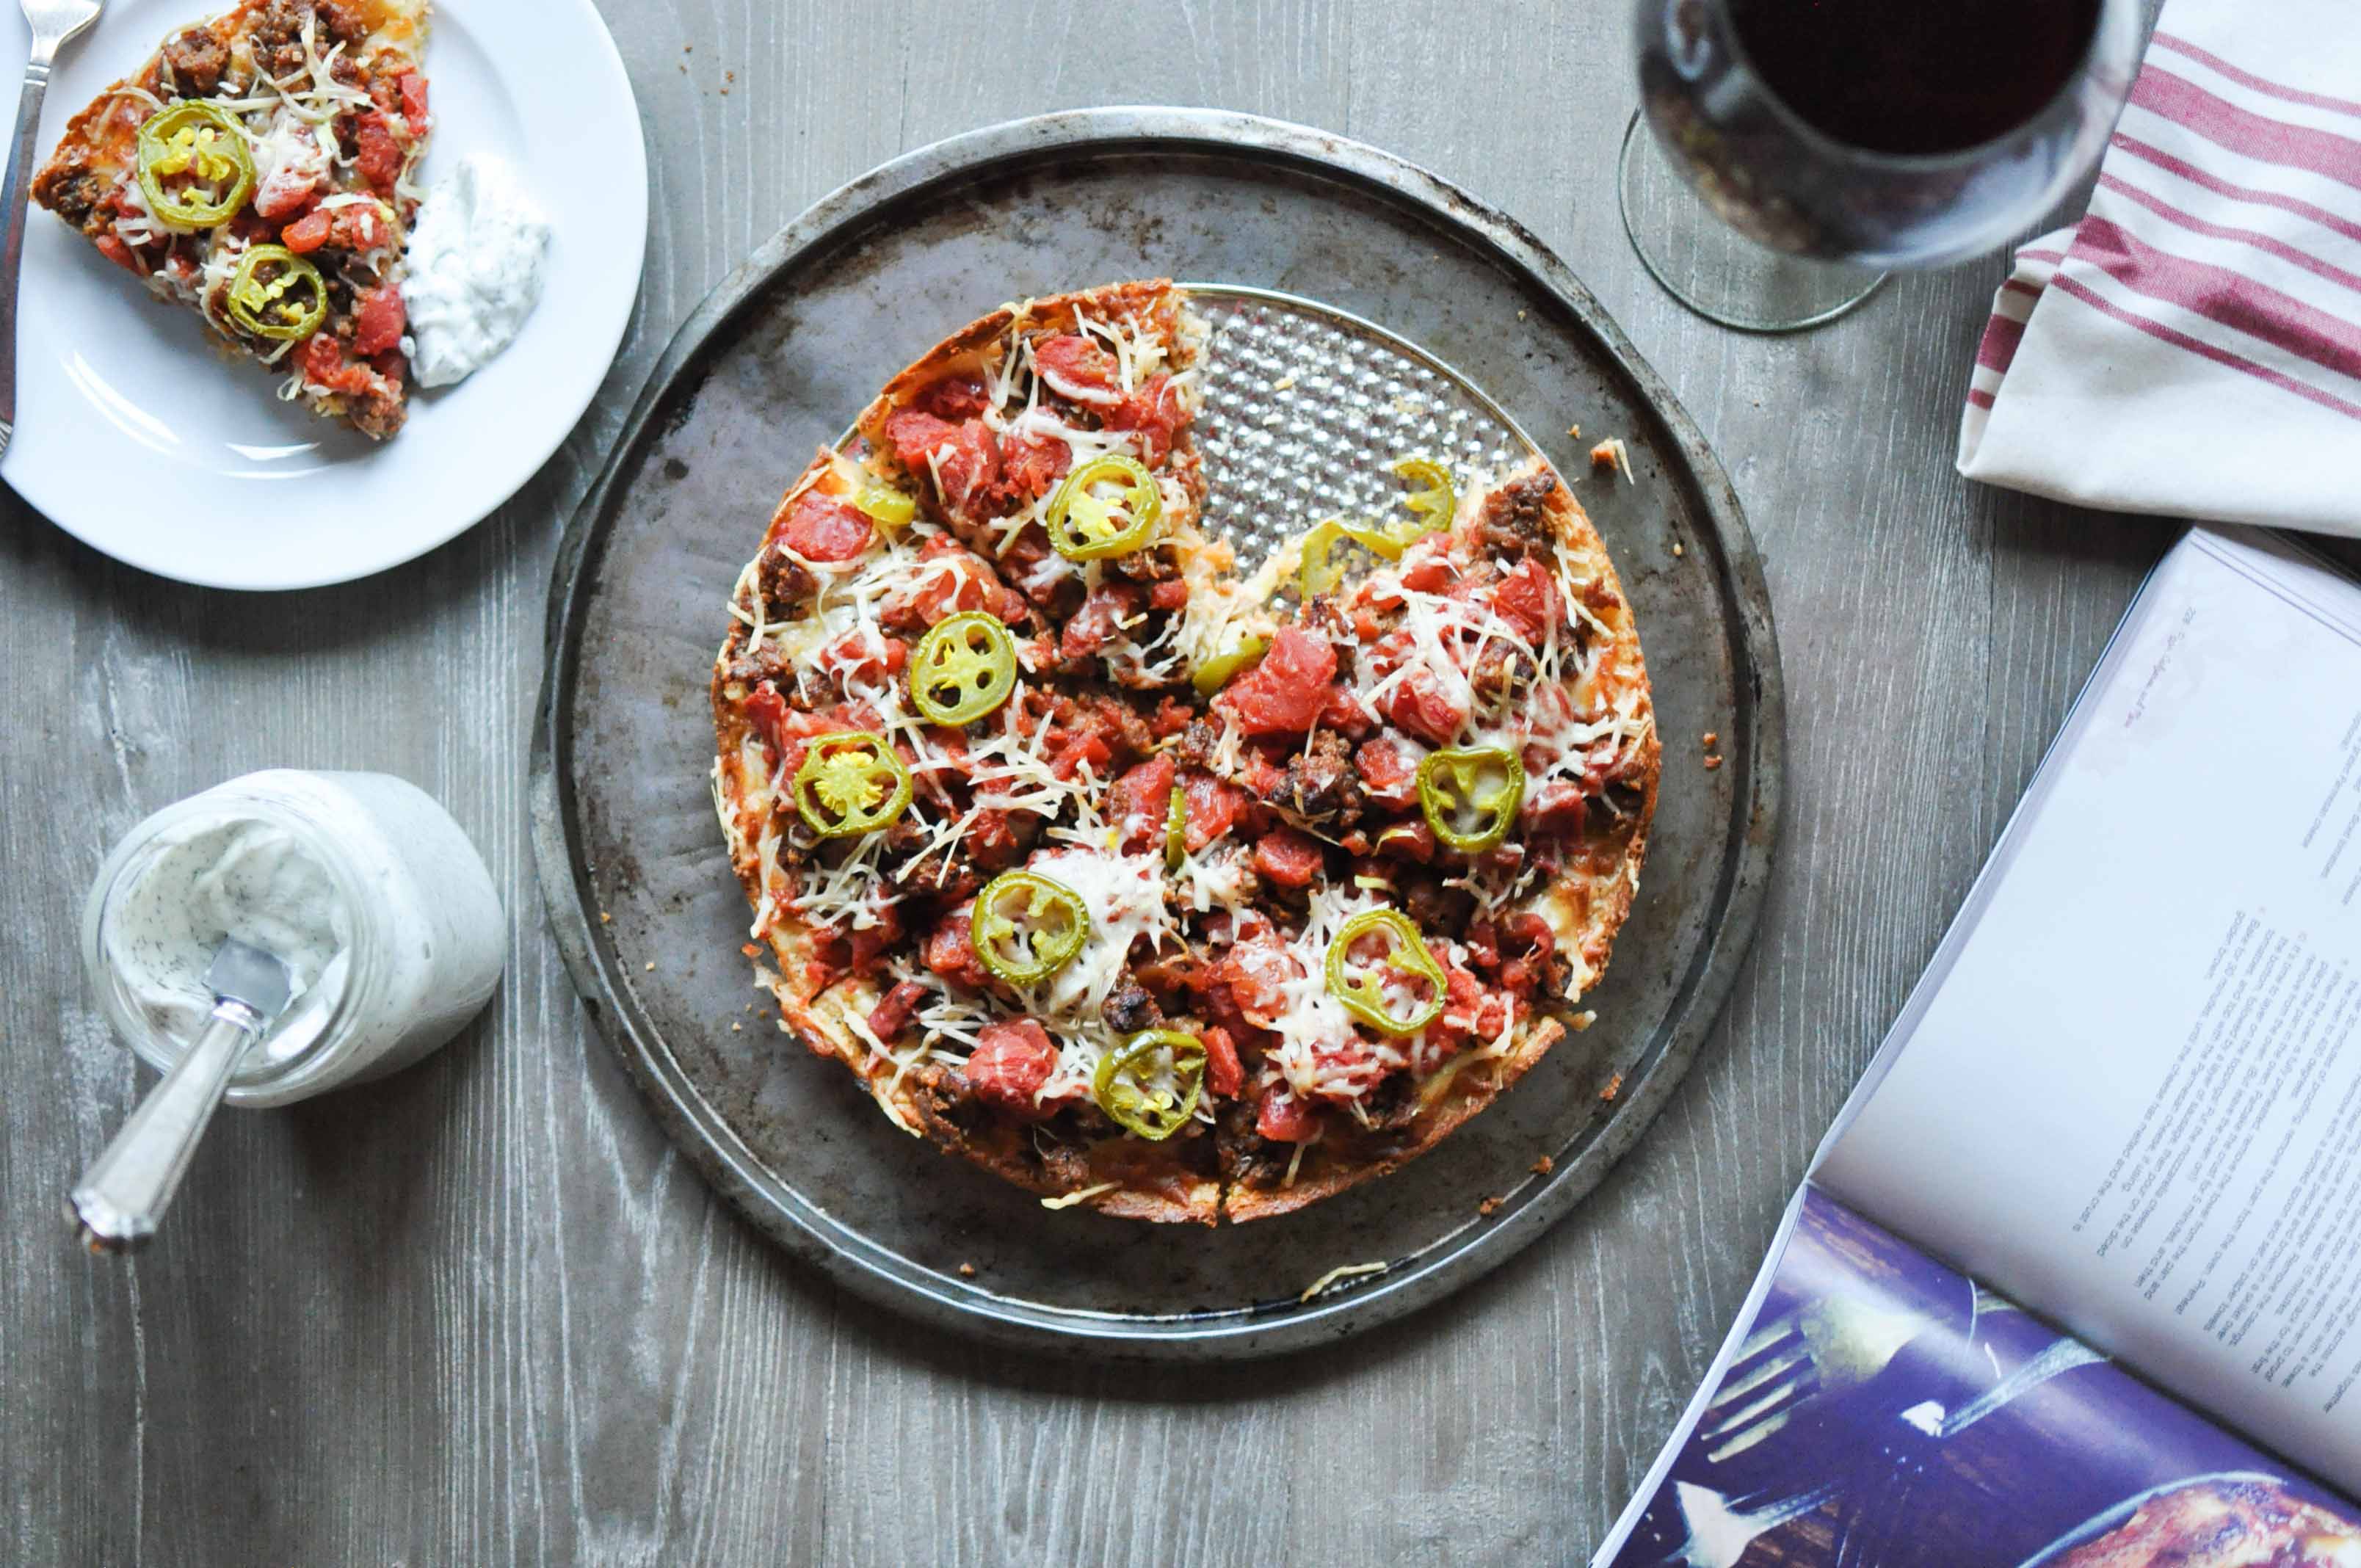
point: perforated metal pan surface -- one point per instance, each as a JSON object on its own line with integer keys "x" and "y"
{"x": 1439, "y": 327}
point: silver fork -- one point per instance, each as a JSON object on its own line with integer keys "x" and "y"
{"x": 54, "y": 23}
{"x": 1796, "y": 1358}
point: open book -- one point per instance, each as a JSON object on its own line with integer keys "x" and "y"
{"x": 2076, "y": 1277}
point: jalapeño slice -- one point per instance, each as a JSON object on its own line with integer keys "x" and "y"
{"x": 203, "y": 142}
{"x": 851, "y": 783}
{"x": 1215, "y": 673}
{"x": 1176, "y": 831}
{"x": 1027, "y": 928}
{"x": 1319, "y": 573}
{"x": 276, "y": 293}
{"x": 1470, "y": 795}
{"x": 1149, "y": 1084}
{"x": 1360, "y": 985}
{"x": 966, "y": 667}
{"x": 1433, "y": 500}
{"x": 883, "y": 505}
{"x": 1085, "y": 524}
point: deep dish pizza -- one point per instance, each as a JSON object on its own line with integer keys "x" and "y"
{"x": 1145, "y": 885}
{"x": 260, "y": 170}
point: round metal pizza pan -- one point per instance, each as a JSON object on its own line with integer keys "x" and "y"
{"x": 1472, "y": 307}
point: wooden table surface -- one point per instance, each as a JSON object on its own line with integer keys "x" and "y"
{"x": 483, "y": 1314}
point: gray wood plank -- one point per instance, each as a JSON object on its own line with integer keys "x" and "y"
{"x": 483, "y": 1314}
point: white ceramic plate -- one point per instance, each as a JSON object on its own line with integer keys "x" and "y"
{"x": 136, "y": 438}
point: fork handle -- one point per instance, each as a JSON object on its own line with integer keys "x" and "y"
{"x": 12, "y": 209}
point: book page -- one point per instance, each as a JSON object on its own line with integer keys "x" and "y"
{"x": 2128, "y": 1092}
{"x": 1875, "y": 1409}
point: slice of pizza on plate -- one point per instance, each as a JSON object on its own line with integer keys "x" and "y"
{"x": 260, "y": 170}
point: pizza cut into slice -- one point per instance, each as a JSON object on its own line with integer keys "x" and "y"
{"x": 982, "y": 602}
{"x": 1453, "y": 731}
{"x": 261, "y": 169}
{"x": 1148, "y": 885}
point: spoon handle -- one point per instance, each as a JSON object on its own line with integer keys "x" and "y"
{"x": 124, "y": 1192}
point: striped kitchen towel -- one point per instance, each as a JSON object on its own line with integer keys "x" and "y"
{"x": 2193, "y": 346}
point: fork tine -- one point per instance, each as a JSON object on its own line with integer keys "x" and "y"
{"x": 1766, "y": 1413}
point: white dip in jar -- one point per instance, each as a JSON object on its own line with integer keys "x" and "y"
{"x": 361, "y": 883}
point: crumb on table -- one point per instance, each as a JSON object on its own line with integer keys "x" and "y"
{"x": 1284, "y": 382}
{"x": 1712, "y": 739}
{"x": 967, "y": 1271}
{"x": 1677, "y": 550}
{"x": 1614, "y": 1087}
{"x": 1574, "y": 433}
{"x": 1484, "y": 1208}
{"x": 1543, "y": 1165}
{"x": 605, "y": 919}
{"x": 1711, "y": 763}
{"x": 652, "y": 964}
{"x": 1613, "y": 455}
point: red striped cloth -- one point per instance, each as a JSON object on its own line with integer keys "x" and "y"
{"x": 2193, "y": 346}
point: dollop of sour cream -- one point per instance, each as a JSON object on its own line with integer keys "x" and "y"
{"x": 247, "y": 879}
{"x": 477, "y": 261}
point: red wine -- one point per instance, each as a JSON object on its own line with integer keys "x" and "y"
{"x": 1915, "y": 76}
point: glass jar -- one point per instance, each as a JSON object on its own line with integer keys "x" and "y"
{"x": 401, "y": 905}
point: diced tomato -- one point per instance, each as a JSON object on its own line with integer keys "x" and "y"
{"x": 1430, "y": 574}
{"x": 1421, "y": 705}
{"x": 1284, "y": 1119}
{"x": 1140, "y": 801}
{"x": 950, "y": 951}
{"x": 1527, "y": 599}
{"x": 768, "y": 710}
{"x": 378, "y": 155}
{"x": 325, "y": 365}
{"x": 1075, "y": 368}
{"x": 1388, "y": 770}
{"x": 1170, "y": 593}
{"x": 414, "y": 100}
{"x": 1284, "y": 693}
{"x": 965, "y": 457}
{"x": 112, "y": 248}
{"x": 1463, "y": 1003}
{"x": 377, "y": 323}
{"x": 1263, "y": 777}
{"x": 1257, "y": 968}
{"x": 873, "y": 944}
{"x": 390, "y": 364}
{"x": 1411, "y": 840}
{"x": 1172, "y": 717}
{"x": 1531, "y": 943}
{"x": 357, "y": 227}
{"x": 1342, "y": 713}
{"x": 822, "y": 528}
{"x": 1099, "y": 621}
{"x": 1225, "y": 1074}
{"x": 1013, "y": 1058}
{"x": 1073, "y": 752}
{"x": 992, "y": 840}
{"x": 1211, "y": 808}
{"x": 306, "y": 233}
{"x": 1556, "y": 808}
{"x": 855, "y": 657}
{"x": 283, "y": 192}
{"x": 953, "y": 398}
{"x": 1153, "y": 414}
{"x": 1031, "y": 463}
{"x": 1287, "y": 858}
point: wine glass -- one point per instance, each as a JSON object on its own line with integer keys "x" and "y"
{"x": 1804, "y": 147}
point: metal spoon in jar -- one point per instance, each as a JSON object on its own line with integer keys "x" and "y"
{"x": 125, "y": 1193}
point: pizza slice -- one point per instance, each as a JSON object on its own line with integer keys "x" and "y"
{"x": 1453, "y": 724}
{"x": 262, "y": 170}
